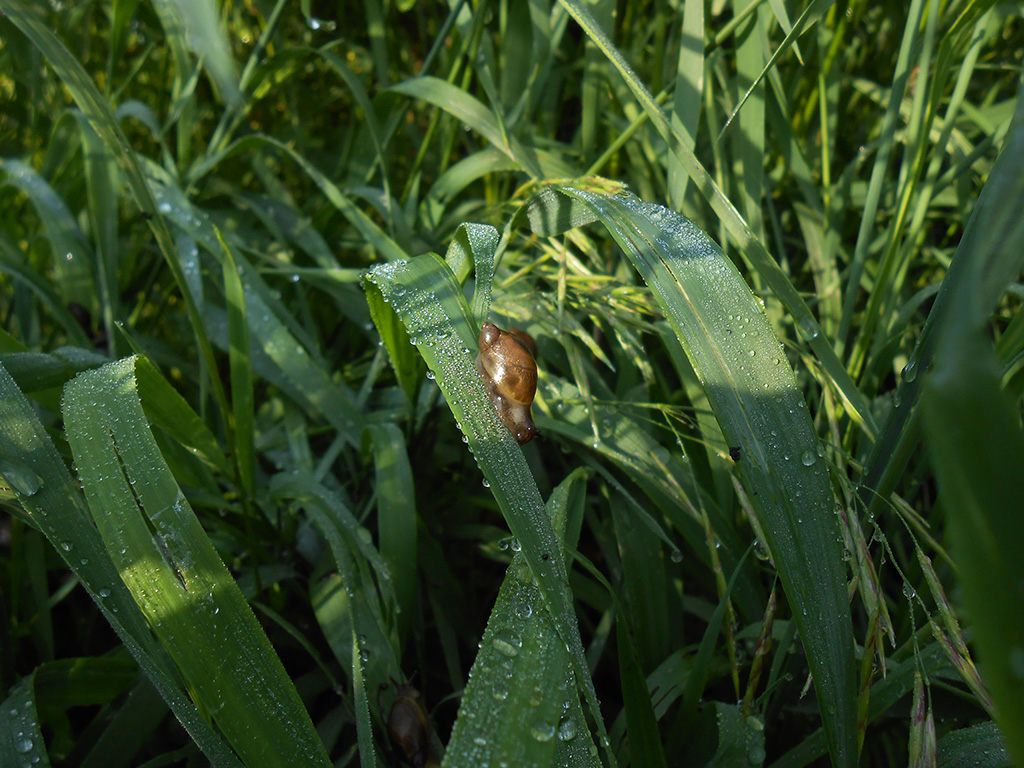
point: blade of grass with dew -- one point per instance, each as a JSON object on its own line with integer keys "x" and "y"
{"x": 30, "y": 464}
{"x": 750, "y": 246}
{"x": 364, "y": 726}
{"x": 520, "y": 706}
{"x": 973, "y": 427}
{"x": 21, "y": 735}
{"x": 429, "y": 300}
{"x": 977, "y": 746}
{"x": 472, "y": 250}
{"x": 754, "y": 395}
{"x": 187, "y": 594}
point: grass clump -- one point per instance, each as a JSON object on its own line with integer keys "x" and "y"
{"x": 768, "y": 258}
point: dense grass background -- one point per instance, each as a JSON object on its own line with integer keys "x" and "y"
{"x": 797, "y": 456}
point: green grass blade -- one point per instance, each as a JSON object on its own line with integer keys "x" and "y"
{"x": 977, "y": 444}
{"x": 240, "y": 363}
{"x": 364, "y": 726}
{"x": 186, "y": 593}
{"x": 30, "y": 464}
{"x": 396, "y": 516}
{"x": 754, "y": 395}
{"x": 21, "y": 738}
{"x": 428, "y": 299}
{"x": 472, "y": 250}
{"x": 520, "y": 706}
{"x": 978, "y": 746}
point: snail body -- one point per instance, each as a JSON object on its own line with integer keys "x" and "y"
{"x": 509, "y": 374}
{"x": 408, "y": 727}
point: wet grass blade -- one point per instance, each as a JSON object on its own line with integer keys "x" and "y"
{"x": 426, "y": 296}
{"x": 30, "y": 464}
{"x": 520, "y": 706}
{"x": 755, "y": 398}
{"x": 189, "y": 598}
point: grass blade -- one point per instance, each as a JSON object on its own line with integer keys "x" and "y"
{"x": 165, "y": 558}
{"x": 31, "y": 465}
{"x": 978, "y": 447}
{"x": 428, "y": 299}
{"x": 754, "y": 395}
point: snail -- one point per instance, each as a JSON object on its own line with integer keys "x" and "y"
{"x": 408, "y": 726}
{"x": 509, "y": 373}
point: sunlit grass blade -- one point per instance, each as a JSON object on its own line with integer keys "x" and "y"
{"x": 521, "y": 706}
{"x": 428, "y": 299}
{"x": 30, "y": 464}
{"x": 754, "y": 395}
{"x": 187, "y": 594}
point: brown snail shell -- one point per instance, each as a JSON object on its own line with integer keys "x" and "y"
{"x": 408, "y": 727}
{"x": 509, "y": 373}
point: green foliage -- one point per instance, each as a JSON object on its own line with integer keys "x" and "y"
{"x": 241, "y": 422}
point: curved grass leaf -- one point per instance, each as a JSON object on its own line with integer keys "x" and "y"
{"x": 520, "y": 706}
{"x": 30, "y": 464}
{"x": 973, "y": 425}
{"x": 189, "y": 599}
{"x": 21, "y": 738}
{"x": 755, "y": 398}
{"x": 428, "y": 299}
